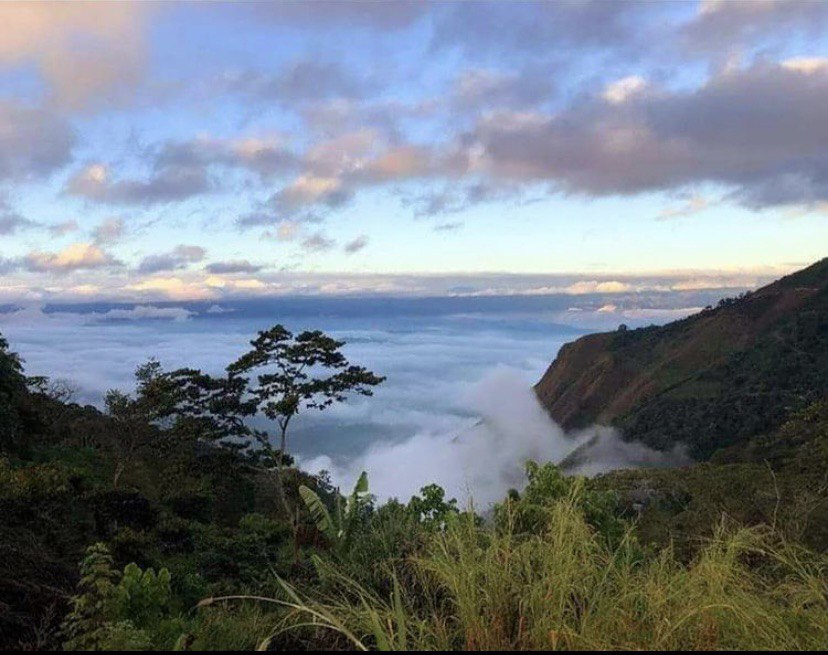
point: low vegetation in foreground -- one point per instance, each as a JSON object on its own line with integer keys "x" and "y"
{"x": 165, "y": 522}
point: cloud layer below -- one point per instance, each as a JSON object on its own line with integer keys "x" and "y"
{"x": 456, "y": 409}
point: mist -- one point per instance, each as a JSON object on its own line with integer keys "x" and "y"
{"x": 457, "y": 407}
{"x": 482, "y": 461}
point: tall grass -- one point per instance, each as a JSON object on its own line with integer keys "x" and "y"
{"x": 477, "y": 588}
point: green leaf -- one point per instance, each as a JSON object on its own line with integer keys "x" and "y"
{"x": 319, "y": 513}
{"x": 361, "y": 485}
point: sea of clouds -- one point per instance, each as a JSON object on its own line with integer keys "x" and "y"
{"x": 457, "y": 407}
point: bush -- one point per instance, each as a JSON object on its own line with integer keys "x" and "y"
{"x": 121, "y": 611}
{"x": 529, "y": 512}
{"x": 567, "y": 588}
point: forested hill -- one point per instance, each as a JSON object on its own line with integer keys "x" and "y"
{"x": 712, "y": 380}
{"x": 167, "y": 522}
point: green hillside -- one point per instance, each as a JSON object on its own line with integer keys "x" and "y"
{"x": 709, "y": 381}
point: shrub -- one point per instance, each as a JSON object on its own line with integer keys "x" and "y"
{"x": 529, "y": 512}
{"x": 121, "y": 611}
{"x": 567, "y": 587}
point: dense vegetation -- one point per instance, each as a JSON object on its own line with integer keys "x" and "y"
{"x": 750, "y": 392}
{"x": 165, "y": 521}
{"x": 718, "y": 378}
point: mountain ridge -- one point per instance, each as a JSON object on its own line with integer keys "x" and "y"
{"x": 713, "y": 379}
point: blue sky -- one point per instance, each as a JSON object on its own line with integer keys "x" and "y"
{"x": 203, "y": 151}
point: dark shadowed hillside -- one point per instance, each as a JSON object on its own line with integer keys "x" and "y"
{"x": 711, "y": 380}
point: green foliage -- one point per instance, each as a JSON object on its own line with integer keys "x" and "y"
{"x": 121, "y": 611}
{"x": 229, "y": 628}
{"x": 12, "y": 388}
{"x": 778, "y": 479}
{"x": 713, "y": 380}
{"x": 565, "y": 587}
{"x": 303, "y": 371}
{"x": 340, "y": 526}
{"x": 33, "y": 482}
{"x": 749, "y": 392}
{"x": 166, "y": 480}
{"x": 529, "y": 512}
{"x": 293, "y": 372}
{"x": 385, "y": 537}
{"x": 431, "y": 507}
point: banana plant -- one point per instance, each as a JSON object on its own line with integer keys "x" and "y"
{"x": 338, "y": 528}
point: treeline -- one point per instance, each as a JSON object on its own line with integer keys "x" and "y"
{"x": 165, "y": 521}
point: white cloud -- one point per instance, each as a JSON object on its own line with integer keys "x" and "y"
{"x": 172, "y": 287}
{"x": 807, "y": 65}
{"x": 74, "y": 257}
{"x": 622, "y": 90}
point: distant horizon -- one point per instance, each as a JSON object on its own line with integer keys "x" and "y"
{"x": 424, "y": 285}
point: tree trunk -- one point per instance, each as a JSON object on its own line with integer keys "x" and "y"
{"x": 119, "y": 469}
{"x": 280, "y": 487}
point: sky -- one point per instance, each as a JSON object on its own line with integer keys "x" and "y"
{"x": 206, "y": 151}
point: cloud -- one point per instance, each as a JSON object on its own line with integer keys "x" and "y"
{"x": 304, "y": 80}
{"x": 231, "y": 267}
{"x": 78, "y": 256}
{"x": 731, "y": 24}
{"x": 285, "y": 231}
{"x": 33, "y": 142}
{"x": 144, "y": 312}
{"x": 595, "y": 286}
{"x": 480, "y": 88}
{"x": 555, "y": 292}
{"x": 621, "y": 91}
{"x": 356, "y": 245}
{"x": 484, "y": 460}
{"x": 63, "y": 228}
{"x": 755, "y": 130}
{"x": 333, "y": 170}
{"x": 8, "y": 265}
{"x": 693, "y": 205}
{"x": 172, "y": 287}
{"x": 176, "y": 259}
{"x": 318, "y": 243}
{"x": 109, "y": 230}
{"x": 11, "y": 221}
{"x": 167, "y": 184}
{"x": 336, "y": 116}
{"x": 312, "y": 190}
{"x": 105, "y": 42}
{"x": 441, "y": 383}
{"x": 512, "y": 29}
{"x": 457, "y": 198}
{"x": 335, "y": 14}
{"x": 264, "y": 156}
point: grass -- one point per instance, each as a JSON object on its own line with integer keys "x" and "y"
{"x": 477, "y": 588}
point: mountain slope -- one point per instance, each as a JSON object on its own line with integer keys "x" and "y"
{"x": 711, "y": 380}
